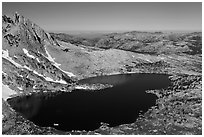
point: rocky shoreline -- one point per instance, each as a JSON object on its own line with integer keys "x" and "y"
{"x": 178, "y": 111}
{"x": 34, "y": 61}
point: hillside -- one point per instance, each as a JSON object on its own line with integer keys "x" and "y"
{"x": 142, "y": 42}
{"x": 36, "y": 61}
{"x": 77, "y": 39}
{"x": 26, "y": 63}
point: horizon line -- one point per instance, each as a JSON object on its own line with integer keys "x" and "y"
{"x": 124, "y": 30}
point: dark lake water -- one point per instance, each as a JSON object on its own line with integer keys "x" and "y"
{"x": 85, "y": 110}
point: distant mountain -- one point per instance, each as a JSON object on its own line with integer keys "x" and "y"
{"x": 77, "y": 39}
{"x": 142, "y": 42}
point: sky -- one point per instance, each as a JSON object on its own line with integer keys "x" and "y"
{"x": 110, "y": 16}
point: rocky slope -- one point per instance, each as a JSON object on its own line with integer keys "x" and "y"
{"x": 35, "y": 61}
{"x": 27, "y": 66}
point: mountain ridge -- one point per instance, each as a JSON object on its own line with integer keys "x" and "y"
{"x": 24, "y": 50}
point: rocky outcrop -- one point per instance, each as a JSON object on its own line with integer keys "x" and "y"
{"x": 26, "y": 64}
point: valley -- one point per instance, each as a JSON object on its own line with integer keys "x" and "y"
{"x": 37, "y": 62}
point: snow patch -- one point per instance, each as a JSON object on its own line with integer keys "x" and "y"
{"x": 80, "y": 87}
{"x": 6, "y": 56}
{"x": 37, "y": 73}
{"x": 7, "y": 92}
{"x": 50, "y": 79}
{"x": 46, "y": 78}
{"x": 68, "y": 73}
{"x": 61, "y": 81}
{"x": 58, "y": 81}
{"x": 20, "y": 88}
{"x": 38, "y": 60}
{"x": 26, "y": 52}
{"x": 4, "y": 73}
{"x": 50, "y": 58}
{"x": 27, "y": 68}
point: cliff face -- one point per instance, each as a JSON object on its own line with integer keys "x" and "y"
{"x": 26, "y": 64}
